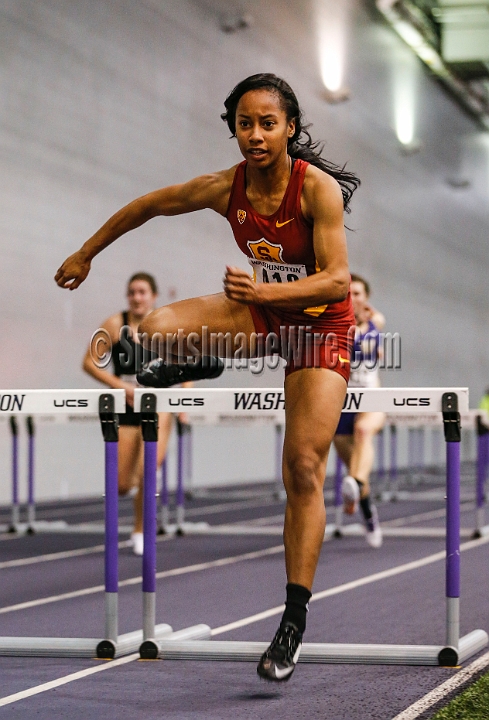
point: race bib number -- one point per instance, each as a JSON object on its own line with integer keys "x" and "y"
{"x": 270, "y": 272}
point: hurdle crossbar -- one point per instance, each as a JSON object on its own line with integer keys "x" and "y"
{"x": 267, "y": 401}
{"x": 449, "y": 401}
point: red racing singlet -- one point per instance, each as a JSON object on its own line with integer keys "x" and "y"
{"x": 280, "y": 247}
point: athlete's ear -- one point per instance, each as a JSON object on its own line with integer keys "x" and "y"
{"x": 291, "y": 128}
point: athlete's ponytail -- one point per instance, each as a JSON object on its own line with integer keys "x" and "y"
{"x": 300, "y": 145}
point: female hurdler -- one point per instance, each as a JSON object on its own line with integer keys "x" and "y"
{"x": 285, "y": 205}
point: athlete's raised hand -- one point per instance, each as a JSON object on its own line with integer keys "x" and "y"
{"x": 239, "y": 286}
{"x": 73, "y": 271}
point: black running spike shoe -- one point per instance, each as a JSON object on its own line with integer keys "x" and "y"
{"x": 279, "y": 660}
{"x": 161, "y": 374}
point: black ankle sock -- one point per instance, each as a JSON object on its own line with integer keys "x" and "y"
{"x": 364, "y": 502}
{"x": 296, "y": 606}
{"x": 366, "y": 507}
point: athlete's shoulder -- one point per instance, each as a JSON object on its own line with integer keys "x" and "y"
{"x": 217, "y": 186}
{"x": 220, "y": 178}
{"x": 315, "y": 178}
{"x": 321, "y": 193}
{"x": 112, "y": 325}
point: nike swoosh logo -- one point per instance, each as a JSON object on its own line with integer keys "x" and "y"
{"x": 342, "y": 359}
{"x": 281, "y": 674}
{"x": 279, "y": 224}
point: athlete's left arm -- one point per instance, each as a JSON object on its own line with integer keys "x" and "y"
{"x": 322, "y": 204}
{"x": 377, "y": 318}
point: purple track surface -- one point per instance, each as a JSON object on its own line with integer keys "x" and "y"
{"x": 408, "y": 608}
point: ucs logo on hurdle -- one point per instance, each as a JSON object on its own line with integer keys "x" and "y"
{"x": 71, "y": 403}
{"x": 14, "y": 403}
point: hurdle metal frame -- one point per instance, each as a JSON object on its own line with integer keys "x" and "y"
{"x": 107, "y": 406}
{"x": 471, "y": 420}
{"x": 447, "y": 400}
{"x": 31, "y": 525}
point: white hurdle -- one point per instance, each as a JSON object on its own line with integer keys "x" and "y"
{"x": 107, "y": 405}
{"x": 449, "y": 401}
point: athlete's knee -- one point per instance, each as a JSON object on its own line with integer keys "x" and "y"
{"x": 303, "y": 475}
{"x": 154, "y": 332}
{"x": 362, "y": 433}
{"x": 124, "y": 486}
{"x": 152, "y": 323}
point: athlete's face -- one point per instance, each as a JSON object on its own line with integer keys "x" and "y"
{"x": 141, "y": 298}
{"x": 262, "y": 128}
{"x": 359, "y": 299}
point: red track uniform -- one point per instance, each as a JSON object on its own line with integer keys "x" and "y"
{"x": 280, "y": 248}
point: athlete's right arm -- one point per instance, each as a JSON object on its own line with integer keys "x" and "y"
{"x": 207, "y": 191}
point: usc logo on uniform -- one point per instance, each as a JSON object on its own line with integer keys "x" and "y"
{"x": 241, "y": 216}
{"x": 265, "y": 250}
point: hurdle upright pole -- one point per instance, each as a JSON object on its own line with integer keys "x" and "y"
{"x": 279, "y": 445}
{"x": 338, "y": 498}
{"x": 393, "y": 457}
{"x": 110, "y": 430}
{"x": 164, "y": 499}
{"x": 421, "y": 450}
{"x": 380, "y": 455}
{"x": 31, "y": 504}
{"x": 481, "y": 471}
{"x": 180, "y": 499}
{"x": 149, "y": 425}
{"x": 15, "y": 512}
{"x": 188, "y": 477}
{"x": 452, "y": 430}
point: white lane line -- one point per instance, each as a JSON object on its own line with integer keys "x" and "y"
{"x": 59, "y": 555}
{"x": 8, "y": 699}
{"x": 229, "y": 561}
{"x": 136, "y": 580}
{"x": 71, "y": 553}
{"x": 49, "y": 514}
{"x": 268, "y": 520}
{"x": 367, "y": 580}
{"x": 431, "y": 515}
{"x": 440, "y": 692}
{"x": 223, "y": 507}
